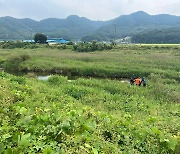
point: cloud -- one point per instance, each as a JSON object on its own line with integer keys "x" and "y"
{"x": 93, "y": 9}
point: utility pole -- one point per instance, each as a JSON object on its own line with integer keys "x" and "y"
{"x": 115, "y": 32}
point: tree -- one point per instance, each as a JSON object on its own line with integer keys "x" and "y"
{"x": 40, "y": 38}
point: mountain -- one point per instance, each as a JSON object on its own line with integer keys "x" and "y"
{"x": 73, "y": 27}
{"x": 161, "y": 36}
{"x": 77, "y": 28}
{"x": 12, "y": 28}
{"x": 130, "y": 25}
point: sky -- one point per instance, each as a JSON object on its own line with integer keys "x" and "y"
{"x": 92, "y": 9}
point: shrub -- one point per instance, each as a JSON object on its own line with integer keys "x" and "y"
{"x": 90, "y": 47}
{"x": 56, "y": 80}
{"x": 17, "y": 44}
{"x": 13, "y": 63}
{"x": 70, "y": 43}
{"x": 40, "y": 38}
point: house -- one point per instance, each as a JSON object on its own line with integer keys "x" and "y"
{"x": 57, "y": 40}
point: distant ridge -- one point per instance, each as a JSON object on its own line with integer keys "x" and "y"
{"x": 77, "y": 28}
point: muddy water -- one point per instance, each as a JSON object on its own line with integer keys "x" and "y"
{"x": 45, "y": 75}
{"x": 45, "y": 78}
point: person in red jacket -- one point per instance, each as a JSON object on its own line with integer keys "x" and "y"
{"x": 137, "y": 81}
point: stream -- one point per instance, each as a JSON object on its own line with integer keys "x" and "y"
{"x": 44, "y": 76}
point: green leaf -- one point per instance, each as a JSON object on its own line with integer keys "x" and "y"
{"x": 90, "y": 125}
{"x": 94, "y": 150}
{"x": 24, "y": 140}
{"x": 87, "y": 145}
{"x": 172, "y": 142}
{"x": 156, "y": 131}
{"x": 5, "y": 136}
{"x": 8, "y": 151}
{"x": 48, "y": 150}
{"x": 2, "y": 148}
{"x": 66, "y": 126}
{"x": 23, "y": 110}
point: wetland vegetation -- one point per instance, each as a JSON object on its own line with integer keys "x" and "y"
{"x": 90, "y": 115}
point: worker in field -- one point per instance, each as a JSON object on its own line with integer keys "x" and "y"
{"x": 143, "y": 82}
{"x": 132, "y": 81}
{"x": 137, "y": 81}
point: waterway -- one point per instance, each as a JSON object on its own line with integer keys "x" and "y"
{"x": 45, "y": 76}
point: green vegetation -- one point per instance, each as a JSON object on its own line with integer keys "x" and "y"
{"x": 94, "y": 46}
{"x": 18, "y": 44}
{"x": 31, "y": 45}
{"x": 87, "y": 116}
{"x": 13, "y": 63}
{"x": 122, "y": 61}
{"x": 171, "y": 35}
{"x": 40, "y": 38}
{"x": 80, "y": 28}
{"x": 91, "y": 115}
{"x": 137, "y": 25}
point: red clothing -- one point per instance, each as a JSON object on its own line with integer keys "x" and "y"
{"x": 137, "y": 81}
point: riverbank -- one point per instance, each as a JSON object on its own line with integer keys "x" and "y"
{"x": 121, "y": 62}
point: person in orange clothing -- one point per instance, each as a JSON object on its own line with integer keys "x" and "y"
{"x": 137, "y": 81}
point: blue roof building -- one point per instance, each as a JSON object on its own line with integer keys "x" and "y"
{"x": 57, "y": 40}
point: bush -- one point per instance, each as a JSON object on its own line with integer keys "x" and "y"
{"x": 70, "y": 43}
{"x": 56, "y": 80}
{"x": 40, "y": 38}
{"x": 90, "y": 47}
{"x": 13, "y": 63}
{"x": 17, "y": 44}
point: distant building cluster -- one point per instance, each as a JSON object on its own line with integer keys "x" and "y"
{"x": 52, "y": 41}
{"x": 125, "y": 40}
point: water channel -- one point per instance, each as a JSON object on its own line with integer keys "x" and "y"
{"x": 45, "y": 76}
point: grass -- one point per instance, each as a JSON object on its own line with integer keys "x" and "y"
{"x": 91, "y": 115}
{"x": 86, "y": 116}
{"x": 123, "y": 61}
{"x": 158, "y": 44}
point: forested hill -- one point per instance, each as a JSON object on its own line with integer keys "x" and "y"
{"x": 162, "y": 36}
{"x": 135, "y": 23}
{"x": 73, "y": 27}
{"x": 77, "y": 28}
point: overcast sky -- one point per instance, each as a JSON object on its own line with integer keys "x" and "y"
{"x": 92, "y": 9}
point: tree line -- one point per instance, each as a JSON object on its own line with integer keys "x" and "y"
{"x": 170, "y": 36}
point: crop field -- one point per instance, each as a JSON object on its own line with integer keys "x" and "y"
{"x": 91, "y": 116}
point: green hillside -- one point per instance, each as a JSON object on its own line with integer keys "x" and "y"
{"x": 130, "y": 25}
{"x": 170, "y": 35}
{"x": 77, "y": 28}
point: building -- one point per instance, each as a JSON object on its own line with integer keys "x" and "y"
{"x": 57, "y": 40}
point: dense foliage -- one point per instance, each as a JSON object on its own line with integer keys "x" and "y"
{"x": 135, "y": 23}
{"x": 40, "y": 38}
{"x": 13, "y": 63}
{"x": 18, "y": 44}
{"x": 171, "y": 35}
{"x": 94, "y": 46}
{"x": 86, "y": 116}
{"x": 32, "y": 45}
{"x": 90, "y": 115}
{"x": 122, "y": 61}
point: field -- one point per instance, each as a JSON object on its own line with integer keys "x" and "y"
{"x": 123, "y": 61}
{"x": 95, "y": 115}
